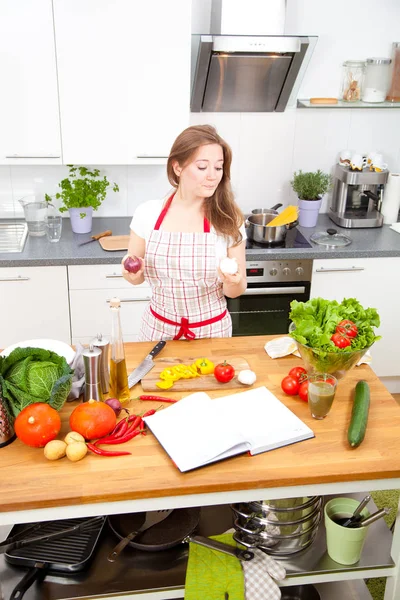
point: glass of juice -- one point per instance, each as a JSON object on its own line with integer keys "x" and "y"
{"x": 321, "y": 392}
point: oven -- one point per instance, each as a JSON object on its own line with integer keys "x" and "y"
{"x": 271, "y": 286}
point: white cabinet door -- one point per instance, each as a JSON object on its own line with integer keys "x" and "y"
{"x": 124, "y": 78}
{"x": 33, "y": 304}
{"x": 29, "y": 111}
{"x": 375, "y": 282}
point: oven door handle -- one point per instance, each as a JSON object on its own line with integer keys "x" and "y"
{"x": 274, "y": 291}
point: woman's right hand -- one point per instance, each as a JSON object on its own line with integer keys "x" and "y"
{"x": 134, "y": 278}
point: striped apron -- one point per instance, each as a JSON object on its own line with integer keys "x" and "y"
{"x": 187, "y": 298}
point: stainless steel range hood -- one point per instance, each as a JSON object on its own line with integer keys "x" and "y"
{"x": 246, "y": 73}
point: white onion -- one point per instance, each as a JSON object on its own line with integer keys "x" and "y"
{"x": 229, "y": 266}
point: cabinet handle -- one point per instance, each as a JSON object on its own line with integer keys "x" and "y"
{"x": 19, "y": 278}
{"x": 32, "y": 156}
{"x": 281, "y": 291}
{"x": 150, "y": 156}
{"x": 113, "y": 276}
{"x": 132, "y": 299}
{"x": 339, "y": 269}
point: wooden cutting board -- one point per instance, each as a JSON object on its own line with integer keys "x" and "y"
{"x": 113, "y": 243}
{"x": 197, "y": 384}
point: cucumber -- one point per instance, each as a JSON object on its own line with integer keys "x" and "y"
{"x": 359, "y": 415}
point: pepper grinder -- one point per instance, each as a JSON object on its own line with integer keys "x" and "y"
{"x": 91, "y": 360}
{"x": 7, "y": 434}
{"x": 103, "y": 343}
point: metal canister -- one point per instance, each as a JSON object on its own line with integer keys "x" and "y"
{"x": 91, "y": 360}
{"x": 7, "y": 434}
{"x": 104, "y": 344}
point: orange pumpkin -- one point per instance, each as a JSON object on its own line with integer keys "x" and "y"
{"x": 93, "y": 419}
{"x": 37, "y": 424}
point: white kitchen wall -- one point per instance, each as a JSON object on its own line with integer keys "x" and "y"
{"x": 268, "y": 147}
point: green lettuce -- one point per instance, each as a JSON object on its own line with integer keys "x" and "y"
{"x": 315, "y": 321}
{"x": 29, "y": 375}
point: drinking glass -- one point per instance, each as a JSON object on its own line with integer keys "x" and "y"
{"x": 53, "y": 228}
{"x": 321, "y": 392}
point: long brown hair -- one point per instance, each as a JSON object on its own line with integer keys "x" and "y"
{"x": 220, "y": 209}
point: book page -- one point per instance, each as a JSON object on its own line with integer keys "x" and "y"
{"x": 193, "y": 434}
{"x": 264, "y": 421}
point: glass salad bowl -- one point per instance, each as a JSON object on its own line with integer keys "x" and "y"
{"x": 335, "y": 363}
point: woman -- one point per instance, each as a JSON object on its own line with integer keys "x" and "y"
{"x": 181, "y": 240}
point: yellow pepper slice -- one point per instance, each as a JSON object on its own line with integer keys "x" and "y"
{"x": 205, "y": 366}
{"x": 165, "y": 384}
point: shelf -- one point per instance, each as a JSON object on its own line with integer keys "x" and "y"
{"x": 161, "y": 575}
{"x": 341, "y": 104}
{"x": 354, "y": 590}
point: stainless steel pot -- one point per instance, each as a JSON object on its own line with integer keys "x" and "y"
{"x": 258, "y": 231}
{"x": 273, "y": 209}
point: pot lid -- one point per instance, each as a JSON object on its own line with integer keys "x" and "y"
{"x": 330, "y": 239}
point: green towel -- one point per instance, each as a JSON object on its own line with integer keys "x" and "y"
{"x": 211, "y": 573}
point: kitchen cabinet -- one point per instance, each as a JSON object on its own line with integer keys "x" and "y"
{"x": 374, "y": 282}
{"x": 90, "y": 291}
{"x": 124, "y": 78}
{"x": 33, "y": 304}
{"x": 29, "y": 111}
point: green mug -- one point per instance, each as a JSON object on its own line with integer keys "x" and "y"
{"x": 344, "y": 544}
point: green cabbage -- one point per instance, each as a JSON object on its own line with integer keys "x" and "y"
{"x": 29, "y": 375}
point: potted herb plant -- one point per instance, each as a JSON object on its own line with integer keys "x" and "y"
{"x": 310, "y": 188}
{"x": 82, "y": 193}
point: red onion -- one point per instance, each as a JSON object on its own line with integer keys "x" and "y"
{"x": 132, "y": 264}
{"x": 116, "y": 406}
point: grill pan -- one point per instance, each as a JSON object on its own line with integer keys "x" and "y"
{"x": 69, "y": 554}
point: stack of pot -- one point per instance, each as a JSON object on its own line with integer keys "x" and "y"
{"x": 281, "y": 527}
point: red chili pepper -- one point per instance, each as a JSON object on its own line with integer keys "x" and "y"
{"x": 122, "y": 430}
{"x": 160, "y": 398}
{"x": 149, "y": 413}
{"x": 142, "y": 427}
{"x": 102, "y": 452}
{"x": 118, "y": 440}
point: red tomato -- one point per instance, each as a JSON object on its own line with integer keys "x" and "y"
{"x": 341, "y": 341}
{"x": 303, "y": 391}
{"x": 348, "y": 328}
{"x": 329, "y": 380}
{"x": 290, "y": 385}
{"x": 37, "y": 424}
{"x": 224, "y": 372}
{"x": 93, "y": 419}
{"x": 298, "y": 373}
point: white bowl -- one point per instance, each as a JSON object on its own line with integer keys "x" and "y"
{"x": 53, "y": 345}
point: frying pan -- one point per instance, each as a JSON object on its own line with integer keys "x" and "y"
{"x": 177, "y": 528}
{"x": 67, "y": 555}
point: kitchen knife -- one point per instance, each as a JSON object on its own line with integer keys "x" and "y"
{"x": 145, "y": 366}
{"x": 96, "y": 237}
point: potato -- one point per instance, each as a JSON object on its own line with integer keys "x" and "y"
{"x": 76, "y": 451}
{"x": 55, "y": 449}
{"x": 72, "y": 437}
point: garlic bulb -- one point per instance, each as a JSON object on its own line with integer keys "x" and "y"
{"x": 228, "y": 266}
{"x": 247, "y": 377}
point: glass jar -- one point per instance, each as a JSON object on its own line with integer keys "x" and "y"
{"x": 394, "y": 88}
{"x": 353, "y": 72}
{"x": 376, "y": 80}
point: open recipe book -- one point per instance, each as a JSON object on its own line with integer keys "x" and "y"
{"x": 197, "y": 430}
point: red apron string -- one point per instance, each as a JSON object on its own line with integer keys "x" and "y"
{"x": 185, "y": 326}
{"x": 165, "y": 210}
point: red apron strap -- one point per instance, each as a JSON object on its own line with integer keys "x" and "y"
{"x": 206, "y": 225}
{"x": 163, "y": 212}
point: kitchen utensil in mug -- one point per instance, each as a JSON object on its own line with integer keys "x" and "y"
{"x": 344, "y": 544}
{"x": 152, "y": 518}
{"x": 356, "y": 516}
{"x": 344, "y": 158}
{"x": 53, "y": 225}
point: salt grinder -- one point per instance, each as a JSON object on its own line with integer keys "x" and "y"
{"x": 91, "y": 360}
{"x": 7, "y": 434}
{"x": 104, "y": 344}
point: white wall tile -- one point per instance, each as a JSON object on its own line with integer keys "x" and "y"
{"x": 147, "y": 182}
{"x": 6, "y": 199}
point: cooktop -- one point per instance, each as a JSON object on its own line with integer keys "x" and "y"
{"x": 294, "y": 239}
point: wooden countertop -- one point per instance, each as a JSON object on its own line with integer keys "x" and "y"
{"x": 29, "y": 481}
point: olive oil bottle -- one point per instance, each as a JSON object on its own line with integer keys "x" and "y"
{"x": 118, "y": 373}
